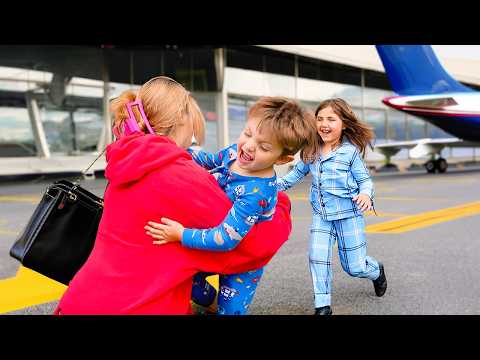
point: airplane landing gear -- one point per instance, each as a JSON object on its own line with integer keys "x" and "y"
{"x": 430, "y": 166}
{"x": 442, "y": 165}
{"x": 439, "y": 165}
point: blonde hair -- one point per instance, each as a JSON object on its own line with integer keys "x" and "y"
{"x": 356, "y": 131}
{"x": 292, "y": 125}
{"x": 167, "y": 105}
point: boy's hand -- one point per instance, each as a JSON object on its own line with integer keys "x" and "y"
{"x": 364, "y": 202}
{"x": 167, "y": 231}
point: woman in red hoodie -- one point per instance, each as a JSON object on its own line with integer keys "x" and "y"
{"x": 153, "y": 176}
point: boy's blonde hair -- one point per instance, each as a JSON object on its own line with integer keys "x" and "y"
{"x": 167, "y": 105}
{"x": 356, "y": 131}
{"x": 292, "y": 125}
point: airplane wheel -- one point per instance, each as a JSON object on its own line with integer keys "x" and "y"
{"x": 430, "y": 166}
{"x": 442, "y": 165}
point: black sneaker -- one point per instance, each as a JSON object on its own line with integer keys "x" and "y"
{"x": 380, "y": 284}
{"x": 324, "y": 310}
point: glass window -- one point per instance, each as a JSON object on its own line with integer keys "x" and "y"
{"x": 59, "y": 131}
{"x": 178, "y": 65}
{"x": 88, "y": 124}
{"x": 204, "y": 71}
{"x": 378, "y": 80}
{"x": 16, "y": 137}
{"x": 148, "y": 64}
{"x": 328, "y": 71}
{"x": 74, "y": 122}
{"x": 376, "y": 119}
{"x": 396, "y": 125}
{"x": 436, "y": 132}
{"x": 280, "y": 64}
{"x": 208, "y": 105}
{"x": 238, "y": 58}
{"x": 416, "y": 128}
{"x": 237, "y": 117}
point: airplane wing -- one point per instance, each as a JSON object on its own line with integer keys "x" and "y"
{"x": 422, "y": 147}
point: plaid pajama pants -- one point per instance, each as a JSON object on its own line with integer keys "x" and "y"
{"x": 352, "y": 250}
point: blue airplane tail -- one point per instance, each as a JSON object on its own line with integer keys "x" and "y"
{"x": 415, "y": 70}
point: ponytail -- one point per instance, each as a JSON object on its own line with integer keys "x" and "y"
{"x": 118, "y": 109}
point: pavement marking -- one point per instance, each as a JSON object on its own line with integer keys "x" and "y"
{"x": 28, "y": 288}
{"x": 409, "y": 223}
{"x": 34, "y": 199}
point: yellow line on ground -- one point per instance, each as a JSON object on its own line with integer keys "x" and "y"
{"x": 20, "y": 198}
{"x": 28, "y": 288}
{"x": 409, "y": 223}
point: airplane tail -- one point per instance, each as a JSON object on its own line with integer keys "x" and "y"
{"x": 415, "y": 70}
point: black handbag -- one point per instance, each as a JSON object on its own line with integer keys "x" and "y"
{"x": 61, "y": 233}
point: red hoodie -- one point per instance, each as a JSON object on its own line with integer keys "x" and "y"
{"x": 151, "y": 177}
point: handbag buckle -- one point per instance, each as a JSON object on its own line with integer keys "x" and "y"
{"x": 72, "y": 196}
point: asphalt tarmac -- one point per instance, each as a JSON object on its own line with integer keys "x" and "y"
{"x": 426, "y": 234}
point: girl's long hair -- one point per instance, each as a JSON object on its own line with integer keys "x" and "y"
{"x": 356, "y": 131}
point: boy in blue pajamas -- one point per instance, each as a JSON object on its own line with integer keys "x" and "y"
{"x": 254, "y": 200}
{"x": 276, "y": 129}
{"x": 341, "y": 190}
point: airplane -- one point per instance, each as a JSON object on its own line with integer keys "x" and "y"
{"x": 426, "y": 90}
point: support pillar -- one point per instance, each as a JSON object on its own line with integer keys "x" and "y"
{"x": 37, "y": 127}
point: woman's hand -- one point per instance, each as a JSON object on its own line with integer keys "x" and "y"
{"x": 363, "y": 202}
{"x": 167, "y": 231}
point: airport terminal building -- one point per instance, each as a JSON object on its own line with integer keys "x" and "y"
{"x": 54, "y": 99}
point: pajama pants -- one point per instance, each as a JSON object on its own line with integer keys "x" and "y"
{"x": 352, "y": 250}
{"x": 236, "y": 291}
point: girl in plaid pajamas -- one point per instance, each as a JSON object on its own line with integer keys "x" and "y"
{"x": 341, "y": 190}
{"x": 276, "y": 129}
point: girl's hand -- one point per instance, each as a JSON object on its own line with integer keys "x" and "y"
{"x": 363, "y": 201}
{"x": 167, "y": 231}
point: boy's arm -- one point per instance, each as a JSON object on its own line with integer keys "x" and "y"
{"x": 226, "y": 236}
{"x": 299, "y": 171}
{"x": 361, "y": 175}
{"x": 205, "y": 159}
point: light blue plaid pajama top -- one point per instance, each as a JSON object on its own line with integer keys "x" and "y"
{"x": 336, "y": 179}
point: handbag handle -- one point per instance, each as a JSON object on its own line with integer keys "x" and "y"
{"x": 89, "y": 166}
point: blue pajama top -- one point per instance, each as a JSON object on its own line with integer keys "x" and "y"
{"x": 253, "y": 199}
